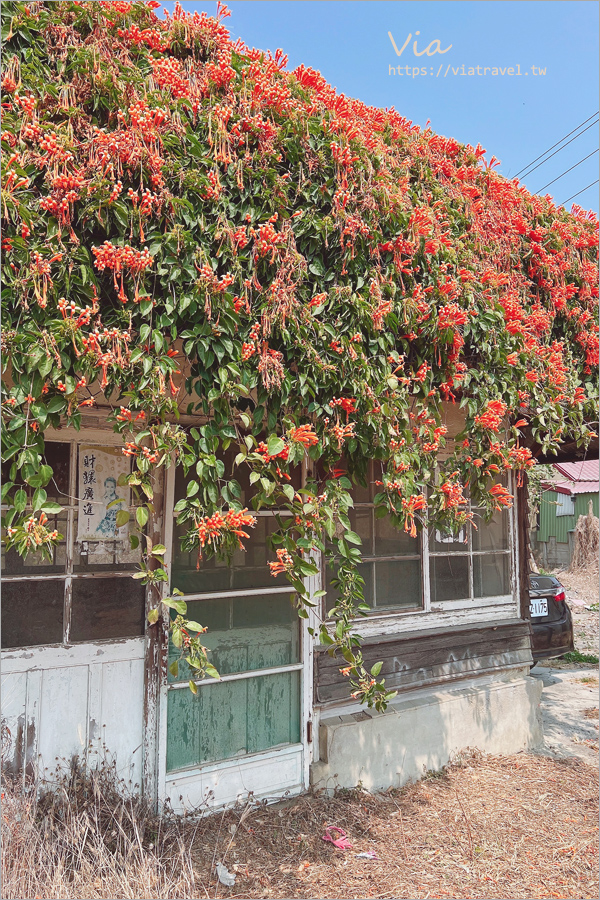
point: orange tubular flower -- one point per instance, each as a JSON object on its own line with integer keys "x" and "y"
{"x": 284, "y": 563}
{"x": 492, "y": 416}
{"x": 502, "y": 496}
{"x": 304, "y": 434}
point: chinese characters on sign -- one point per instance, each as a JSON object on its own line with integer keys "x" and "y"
{"x": 100, "y": 496}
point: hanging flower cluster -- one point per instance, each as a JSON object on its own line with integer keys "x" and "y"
{"x": 190, "y": 227}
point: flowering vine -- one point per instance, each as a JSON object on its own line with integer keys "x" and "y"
{"x": 189, "y": 228}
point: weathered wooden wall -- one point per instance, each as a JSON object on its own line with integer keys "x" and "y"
{"x": 421, "y": 659}
{"x": 84, "y": 701}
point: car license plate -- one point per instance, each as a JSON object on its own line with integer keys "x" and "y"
{"x": 538, "y": 607}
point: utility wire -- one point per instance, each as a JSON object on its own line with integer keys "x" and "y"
{"x": 554, "y": 145}
{"x": 527, "y": 174}
{"x": 564, "y": 173}
{"x": 564, "y": 203}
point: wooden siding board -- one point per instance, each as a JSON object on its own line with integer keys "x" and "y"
{"x": 429, "y": 676}
{"x": 62, "y": 721}
{"x": 60, "y": 702}
{"x": 418, "y": 660}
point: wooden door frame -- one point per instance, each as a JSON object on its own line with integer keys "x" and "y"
{"x": 156, "y": 697}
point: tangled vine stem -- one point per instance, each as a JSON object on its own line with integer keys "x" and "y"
{"x": 191, "y": 228}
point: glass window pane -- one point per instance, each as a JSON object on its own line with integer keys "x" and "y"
{"x": 490, "y": 575}
{"x": 492, "y": 535}
{"x": 448, "y": 543}
{"x": 245, "y": 633}
{"x": 365, "y": 570}
{"x": 398, "y": 584}
{"x": 107, "y": 608}
{"x": 32, "y": 613}
{"x": 34, "y": 563}
{"x": 57, "y": 455}
{"x": 391, "y": 541}
{"x": 449, "y": 578}
{"x": 361, "y": 521}
{"x": 362, "y": 494}
{"x": 249, "y": 567}
{"x": 232, "y": 719}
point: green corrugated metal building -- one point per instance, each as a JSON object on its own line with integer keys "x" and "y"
{"x": 564, "y": 500}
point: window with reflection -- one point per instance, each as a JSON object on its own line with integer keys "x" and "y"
{"x": 86, "y": 592}
{"x": 474, "y": 563}
{"x": 391, "y": 566}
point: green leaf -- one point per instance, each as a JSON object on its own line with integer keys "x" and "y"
{"x": 174, "y": 668}
{"x": 51, "y": 507}
{"x": 193, "y": 686}
{"x": 376, "y": 669}
{"x": 20, "y": 500}
{"x": 194, "y": 626}
{"x": 192, "y": 489}
{"x": 275, "y": 445}
{"x": 39, "y": 498}
{"x": 177, "y": 637}
{"x": 141, "y": 515}
{"x": 179, "y": 606}
{"x": 211, "y": 671}
{"x": 122, "y": 518}
{"x": 153, "y": 616}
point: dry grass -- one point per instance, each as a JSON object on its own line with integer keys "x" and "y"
{"x": 488, "y": 827}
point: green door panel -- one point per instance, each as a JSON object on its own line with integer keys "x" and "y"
{"x": 225, "y": 720}
{"x": 245, "y": 633}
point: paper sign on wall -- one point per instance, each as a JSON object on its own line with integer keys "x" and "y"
{"x": 99, "y": 469}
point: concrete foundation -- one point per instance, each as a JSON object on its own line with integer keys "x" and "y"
{"x": 418, "y": 733}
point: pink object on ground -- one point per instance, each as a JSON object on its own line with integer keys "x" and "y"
{"x": 341, "y": 842}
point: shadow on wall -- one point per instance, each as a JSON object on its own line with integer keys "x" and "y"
{"x": 417, "y": 734}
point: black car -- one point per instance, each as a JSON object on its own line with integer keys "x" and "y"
{"x": 551, "y": 622}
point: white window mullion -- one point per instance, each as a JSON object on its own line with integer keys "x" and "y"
{"x": 425, "y": 567}
{"x": 70, "y": 544}
{"x": 471, "y": 561}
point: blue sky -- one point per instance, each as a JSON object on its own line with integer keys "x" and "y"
{"x": 516, "y": 118}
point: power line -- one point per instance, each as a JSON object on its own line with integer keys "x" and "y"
{"x": 564, "y": 203}
{"x": 568, "y": 170}
{"x": 527, "y": 174}
{"x": 554, "y": 145}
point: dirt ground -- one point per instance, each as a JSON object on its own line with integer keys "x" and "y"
{"x": 501, "y": 827}
{"x": 488, "y": 827}
{"x": 583, "y": 595}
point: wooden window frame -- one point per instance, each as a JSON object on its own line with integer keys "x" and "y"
{"x": 393, "y": 618}
{"x": 68, "y": 576}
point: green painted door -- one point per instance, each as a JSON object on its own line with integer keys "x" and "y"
{"x": 255, "y": 646}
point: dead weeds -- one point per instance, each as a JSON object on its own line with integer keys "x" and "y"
{"x": 492, "y": 827}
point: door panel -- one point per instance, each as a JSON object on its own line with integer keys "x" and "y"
{"x": 231, "y": 719}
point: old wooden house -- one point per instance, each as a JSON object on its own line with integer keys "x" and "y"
{"x": 84, "y": 676}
